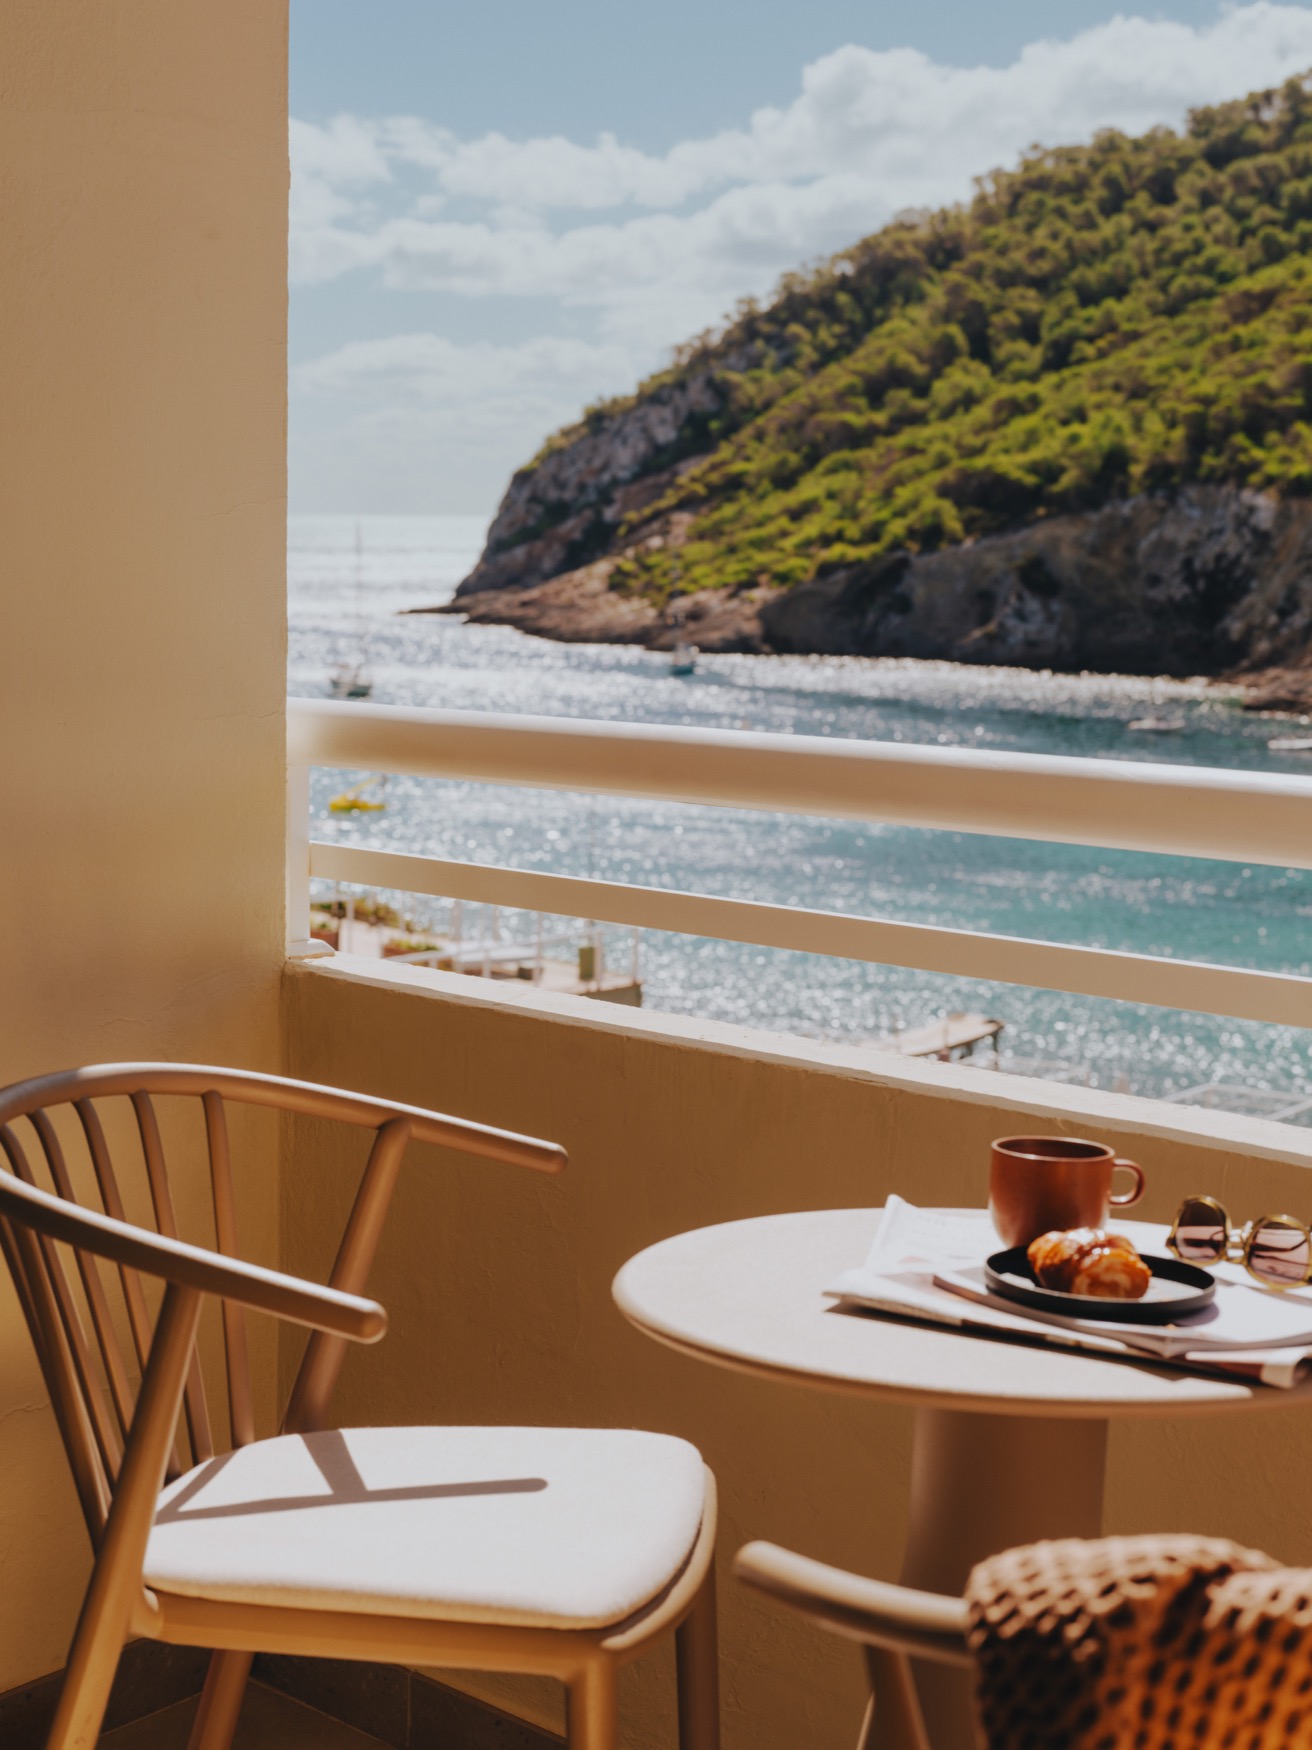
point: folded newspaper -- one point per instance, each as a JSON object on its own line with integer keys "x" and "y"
{"x": 929, "y": 1264}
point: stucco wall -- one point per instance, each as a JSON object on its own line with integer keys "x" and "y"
{"x": 498, "y": 1283}
{"x": 143, "y": 185}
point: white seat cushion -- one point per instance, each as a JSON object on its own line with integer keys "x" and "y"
{"x": 553, "y": 1527}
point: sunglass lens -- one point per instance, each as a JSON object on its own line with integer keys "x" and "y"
{"x": 1199, "y": 1232}
{"x": 1280, "y": 1253}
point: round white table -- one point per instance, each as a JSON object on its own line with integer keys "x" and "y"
{"x": 1010, "y": 1439}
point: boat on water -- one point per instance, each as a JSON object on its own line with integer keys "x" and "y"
{"x": 683, "y": 652}
{"x": 351, "y": 679}
{"x": 1290, "y": 744}
{"x": 1156, "y": 725}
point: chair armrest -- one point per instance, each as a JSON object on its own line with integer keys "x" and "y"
{"x": 270, "y": 1291}
{"x": 285, "y": 1095}
{"x": 925, "y": 1624}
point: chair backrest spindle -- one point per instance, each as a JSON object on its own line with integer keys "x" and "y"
{"x": 241, "y": 1409}
{"x": 161, "y": 1197}
{"x": 37, "y": 1274}
{"x": 45, "y": 1270}
{"x": 93, "y": 1288}
{"x": 307, "y": 1408}
{"x": 92, "y": 1478}
{"x": 138, "y": 1316}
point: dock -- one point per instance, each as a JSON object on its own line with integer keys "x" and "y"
{"x": 581, "y": 974}
{"x": 955, "y": 1035}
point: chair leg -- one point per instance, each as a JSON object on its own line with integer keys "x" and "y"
{"x": 893, "y": 1719}
{"x": 85, "y": 1695}
{"x": 593, "y": 1720}
{"x": 220, "y": 1701}
{"x": 102, "y": 1625}
{"x": 697, "y": 1658}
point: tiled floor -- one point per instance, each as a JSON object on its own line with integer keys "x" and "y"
{"x": 268, "y": 1722}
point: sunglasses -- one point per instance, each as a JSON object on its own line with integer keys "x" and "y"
{"x": 1275, "y": 1249}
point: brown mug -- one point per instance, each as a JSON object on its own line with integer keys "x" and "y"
{"x": 1041, "y": 1183}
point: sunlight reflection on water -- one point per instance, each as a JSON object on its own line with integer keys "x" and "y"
{"x": 1194, "y": 909}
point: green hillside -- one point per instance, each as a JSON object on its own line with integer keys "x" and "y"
{"x": 1102, "y": 321}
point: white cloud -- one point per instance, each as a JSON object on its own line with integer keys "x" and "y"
{"x": 471, "y": 385}
{"x": 442, "y": 424}
{"x": 346, "y": 151}
{"x": 545, "y": 173}
{"x": 868, "y": 134}
{"x": 891, "y": 114}
{"x": 326, "y": 161}
{"x": 658, "y": 246}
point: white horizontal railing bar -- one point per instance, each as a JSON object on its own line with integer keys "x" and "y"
{"x": 1197, "y": 811}
{"x": 1280, "y": 998}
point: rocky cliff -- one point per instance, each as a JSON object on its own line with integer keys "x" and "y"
{"x": 570, "y": 505}
{"x": 1068, "y": 425}
{"x": 1205, "y": 580}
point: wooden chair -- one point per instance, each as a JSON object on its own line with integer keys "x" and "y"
{"x": 559, "y": 1552}
{"x": 893, "y": 1623}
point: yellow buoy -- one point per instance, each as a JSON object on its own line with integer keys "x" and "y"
{"x": 355, "y": 802}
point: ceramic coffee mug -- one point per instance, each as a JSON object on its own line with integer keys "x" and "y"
{"x": 1038, "y": 1183}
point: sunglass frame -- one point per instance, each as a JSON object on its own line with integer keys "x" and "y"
{"x": 1237, "y": 1243}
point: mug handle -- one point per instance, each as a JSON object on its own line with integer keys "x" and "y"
{"x": 1129, "y": 1196}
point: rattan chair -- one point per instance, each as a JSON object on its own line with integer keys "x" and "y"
{"x": 893, "y": 1624}
{"x": 557, "y": 1552}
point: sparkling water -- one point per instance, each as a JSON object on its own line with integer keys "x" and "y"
{"x": 344, "y": 609}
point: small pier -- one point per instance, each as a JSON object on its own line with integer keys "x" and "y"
{"x": 568, "y": 963}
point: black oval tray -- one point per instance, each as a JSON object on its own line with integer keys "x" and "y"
{"x": 1193, "y": 1290}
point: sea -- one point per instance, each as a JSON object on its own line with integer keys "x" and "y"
{"x": 350, "y": 580}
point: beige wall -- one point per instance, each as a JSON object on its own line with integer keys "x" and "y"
{"x": 143, "y": 188}
{"x": 498, "y": 1283}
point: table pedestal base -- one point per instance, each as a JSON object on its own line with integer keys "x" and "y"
{"x": 980, "y": 1484}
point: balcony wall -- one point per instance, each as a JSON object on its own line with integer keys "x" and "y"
{"x": 498, "y": 1283}
{"x": 142, "y": 537}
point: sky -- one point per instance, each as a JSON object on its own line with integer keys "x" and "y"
{"x": 503, "y": 212}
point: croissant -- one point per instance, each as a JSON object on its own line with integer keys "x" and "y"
{"x": 1088, "y": 1260}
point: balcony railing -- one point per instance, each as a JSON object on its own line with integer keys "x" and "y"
{"x": 1194, "y": 811}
